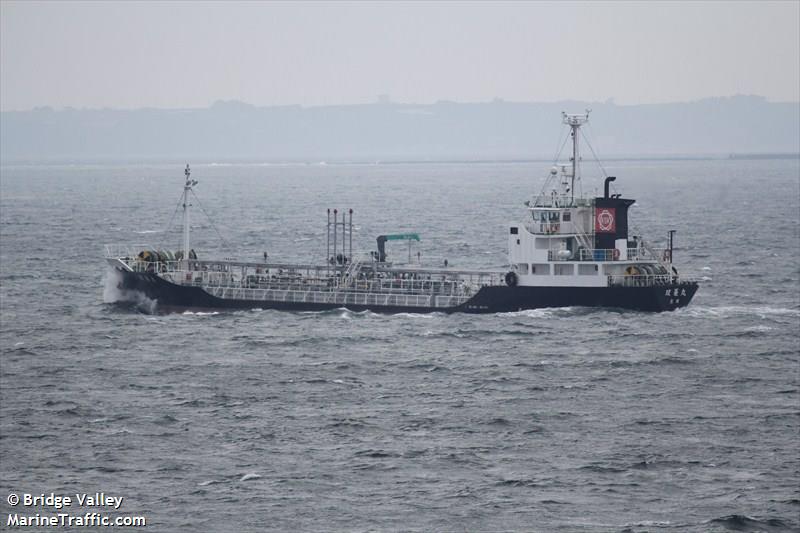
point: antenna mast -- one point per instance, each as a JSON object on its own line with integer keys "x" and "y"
{"x": 187, "y": 188}
{"x": 575, "y": 122}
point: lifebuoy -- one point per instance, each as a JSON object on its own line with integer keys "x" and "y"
{"x": 615, "y": 254}
{"x": 511, "y": 279}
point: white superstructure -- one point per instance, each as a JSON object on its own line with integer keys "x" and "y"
{"x": 568, "y": 240}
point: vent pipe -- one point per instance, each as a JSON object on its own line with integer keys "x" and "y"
{"x": 605, "y": 186}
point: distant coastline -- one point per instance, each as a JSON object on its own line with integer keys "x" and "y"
{"x": 738, "y": 127}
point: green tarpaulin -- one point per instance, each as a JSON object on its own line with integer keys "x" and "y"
{"x": 403, "y": 237}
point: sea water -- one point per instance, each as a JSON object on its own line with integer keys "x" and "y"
{"x": 567, "y": 419}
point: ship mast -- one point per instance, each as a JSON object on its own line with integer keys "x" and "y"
{"x": 575, "y": 122}
{"x": 187, "y": 188}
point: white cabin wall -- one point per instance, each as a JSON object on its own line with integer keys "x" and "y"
{"x": 553, "y": 280}
{"x": 621, "y": 246}
{"x": 530, "y": 252}
{"x": 584, "y": 221}
{"x": 522, "y": 246}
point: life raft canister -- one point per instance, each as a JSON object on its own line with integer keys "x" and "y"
{"x": 511, "y": 279}
{"x": 632, "y": 271}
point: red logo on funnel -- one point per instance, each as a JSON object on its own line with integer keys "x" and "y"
{"x": 605, "y": 220}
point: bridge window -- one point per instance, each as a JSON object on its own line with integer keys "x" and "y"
{"x": 587, "y": 270}
{"x": 522, "y": 268}
{"x": 514, "y": 231}
{"x": 566, "y": 217}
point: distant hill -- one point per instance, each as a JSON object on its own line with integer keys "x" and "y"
{"x": 388, "y": 131}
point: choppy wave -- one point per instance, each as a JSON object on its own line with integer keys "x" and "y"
{"x": 573, "y": 419}
{"x": 734, "y": 310}
{"x": 738, "y": 522}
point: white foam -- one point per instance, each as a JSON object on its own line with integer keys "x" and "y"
{"x": 112, "y": 293}
{"x": 730, "y": 310}
{"x": 349, "y": 315}
{"x": 535, "y": 313}
{"x": 425, "y": 316}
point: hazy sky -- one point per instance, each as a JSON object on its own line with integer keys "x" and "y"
{"x": 189, "y": 54}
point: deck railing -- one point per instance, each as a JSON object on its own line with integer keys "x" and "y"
{"x": 125, "y": 250}
{"x": 337, "y": 297}
{"x": 609, "y": 254}
{"x": 310, "y": 283}
{"x": 642, "y": 280}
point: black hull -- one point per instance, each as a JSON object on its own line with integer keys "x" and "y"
{"x": 491, "y": 299}
{"x": 500, "y": 299}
